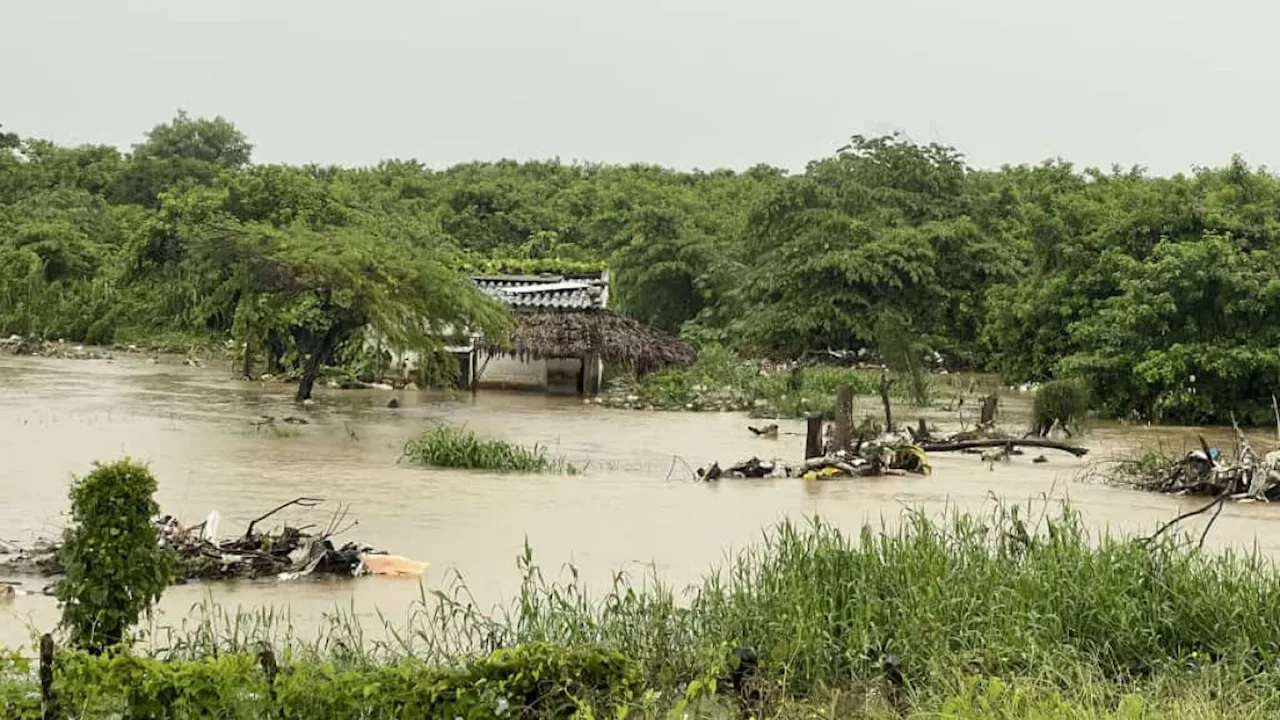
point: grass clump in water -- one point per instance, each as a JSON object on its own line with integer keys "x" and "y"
{"x": 454, "y": 447}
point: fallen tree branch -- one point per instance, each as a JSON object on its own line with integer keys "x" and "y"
{"x": 1190, "y": 513}
{"x": 306, "y": 502}
{"x": 954, "y": 445}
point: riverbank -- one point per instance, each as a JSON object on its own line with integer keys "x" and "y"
{"x": 1018, "y": 612}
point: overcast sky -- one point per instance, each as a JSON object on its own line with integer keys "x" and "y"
{"x": 686, "y": 83}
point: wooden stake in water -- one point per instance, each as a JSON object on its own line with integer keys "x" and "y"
{"x": 844, "y": 417}
{"x": 46, "y": 677}
{"x": 813, "y": 437}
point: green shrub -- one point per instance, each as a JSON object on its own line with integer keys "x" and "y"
{"x": 19, "y": 694}
{"x": 452, "y": 447}
{"x": 114, "y": 566}
{"x": 529, "y": 681}
{"x": 1065, "y": 402}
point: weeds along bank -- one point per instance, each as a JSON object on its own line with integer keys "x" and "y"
{"x": 1010, "y": 614}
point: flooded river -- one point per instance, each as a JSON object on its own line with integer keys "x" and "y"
{"x": 634, "y": 509}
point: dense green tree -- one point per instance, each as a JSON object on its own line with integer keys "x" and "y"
{"x": 1132, "y": 283}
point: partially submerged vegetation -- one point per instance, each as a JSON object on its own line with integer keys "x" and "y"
{"x": 1156, "y": 292}
{"x": 454, "y": 447}
{"x": 720, "y": 380}
{"x": 1011, "y": 614}
{"x": 1062, "y": 404}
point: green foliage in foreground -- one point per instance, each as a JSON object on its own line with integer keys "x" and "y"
{"x": 453, "y": 447}
{"x": 114, "y": 566}
{"x": 1002, "y": 596}
{"x": 1004, "y": 616}
{"x": 532, "y": 681}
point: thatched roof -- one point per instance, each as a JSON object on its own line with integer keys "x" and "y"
{"x": 574, "y": 333}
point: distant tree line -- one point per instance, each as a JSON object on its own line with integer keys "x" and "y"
{"x": 1162, "y": 293}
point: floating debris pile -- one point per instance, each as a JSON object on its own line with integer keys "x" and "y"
{"x": 1205, "y": 472}
{"x": 291, "y": 553}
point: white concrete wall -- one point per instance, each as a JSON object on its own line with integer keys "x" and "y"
{"x": 507, "y": 371}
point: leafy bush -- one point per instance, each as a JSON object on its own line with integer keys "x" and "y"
{"x": 534, "y": 681}
{"x": 115, "y": 568}
{"x": 529, "y": 681}
{"x": 1065, "y": 402}
{"x": 452, "y": 447}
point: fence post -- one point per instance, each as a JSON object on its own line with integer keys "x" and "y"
{"x": 46, "y": 678}
{"x": 844, "y": 417}
{"x": 813, "y": 438}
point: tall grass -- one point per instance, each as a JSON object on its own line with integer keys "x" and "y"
{"x": 453, "y": 447}
{"x": 972, "y": 596}
{"x": 1000, "y": 615}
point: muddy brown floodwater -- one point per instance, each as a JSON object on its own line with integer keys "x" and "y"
{"x": 622, "y": 514}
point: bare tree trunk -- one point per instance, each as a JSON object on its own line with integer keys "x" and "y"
{"x": 988, "y": 417}
{"x": 275, "y": 352}
{"x": 813, "y": 437}
{"x": 885, "y": 382}
{"x": 954, "y": 445}
{"x": 311, "y": 370}
{"x": 844, "y": 417}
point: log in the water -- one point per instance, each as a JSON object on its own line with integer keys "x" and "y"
{"x": 1003, "y": 442}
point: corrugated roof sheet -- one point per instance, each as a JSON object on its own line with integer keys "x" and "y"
{"x": 542, "y": 292}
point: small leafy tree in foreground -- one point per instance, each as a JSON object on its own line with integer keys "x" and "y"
{"x": 115, "y": 568}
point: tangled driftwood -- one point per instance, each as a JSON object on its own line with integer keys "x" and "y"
{"x": 287, "y": 554}
{"x": 1204, "y": 472}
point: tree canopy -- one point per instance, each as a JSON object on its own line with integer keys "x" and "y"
{"x": 1159, "y": 292}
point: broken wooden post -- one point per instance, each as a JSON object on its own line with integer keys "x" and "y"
{"x": 844, "y": 417}
{"x": 885, "y": 382}
{"x": 46, "y": 677}
{"x": 988, "y": 417}
{"x": 813, "y": 437}
{"x": 920, "y": 432}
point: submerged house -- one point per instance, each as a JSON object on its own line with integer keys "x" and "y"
{"x": 563, "y": 336}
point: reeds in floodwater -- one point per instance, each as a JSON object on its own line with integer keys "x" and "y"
{"x": 453, "y": 447}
